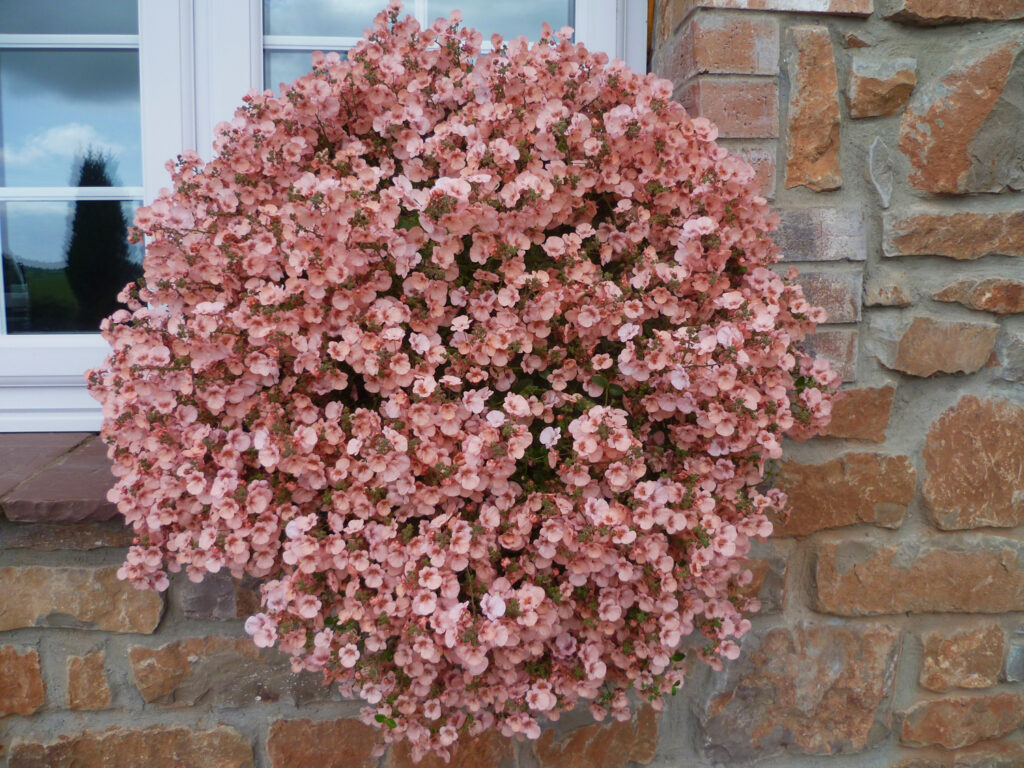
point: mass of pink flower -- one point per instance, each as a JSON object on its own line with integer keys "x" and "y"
{"x": 478, "y": 362}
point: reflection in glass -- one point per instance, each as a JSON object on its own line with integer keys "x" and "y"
{"x": 523, "y": 17}
{"x": 64, "y": 263}
{"x": 55, "y": 106}
{"x": 344, "y": 18}
{"x": 285, "y": 66}
{"x": 69, "y": 17}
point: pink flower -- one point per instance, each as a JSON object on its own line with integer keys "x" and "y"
{"x": 493, "y": 607}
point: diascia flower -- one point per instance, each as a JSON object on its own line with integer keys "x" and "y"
{"x": 477, "y": 361}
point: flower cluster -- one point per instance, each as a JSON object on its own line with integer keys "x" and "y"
{"x": 477, "y": 361}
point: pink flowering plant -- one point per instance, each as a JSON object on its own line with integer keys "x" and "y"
{"x": 477, "y": 361}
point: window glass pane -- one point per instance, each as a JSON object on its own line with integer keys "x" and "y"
{"x": 69, "y": 17}
{"x": 523, "y": 17}
{"x": 345, "y": 18}
{"x": 285, "y": 66}
{"x": 55, "y": 106}
{"x": 64, "y": 263}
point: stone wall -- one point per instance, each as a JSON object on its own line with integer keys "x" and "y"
{"x": 890, "y": 136}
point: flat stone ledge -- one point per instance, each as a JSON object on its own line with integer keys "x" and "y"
{"x": 55, "y": 478}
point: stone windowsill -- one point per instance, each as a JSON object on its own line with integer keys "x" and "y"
{"x": 55, "y": 478}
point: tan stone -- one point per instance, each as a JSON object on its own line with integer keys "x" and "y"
{"x": 816, "y": 690}
{"x": 928, "y": 347}
{"x": 153, "y": 747}
{"x": 223, "y": 671}
{"x": 962, "y": 236}
{"x": 22, "y": 690}
{"x": 888, "y": 290}
{"x": 344, "y": 743}
{"x": 879, "y": 87}
{"x": 80, "y": 598}
{"x": 989, "y": 754}
{"x": 974, "y": 465}
{"x": 855, "y": 488}
{"x": 969, "y": 659}
{"x": 965, "y": 575}
{"x": 862, "y": 413}
{"x": 603, "y": 745}
{"x": 725, "y": 44}
{"x": 959, "y": 721}
{"x": 943, "y": 131}
{"x": 838, "y": 293}
{"x": 87, "y": 682}
{"x": 485, "y": 751}
{"x": 742, "y": 108}
{"x": 996, "y": 294}
{"x": 813, "y": 148}
{"x": 928, "y": 12}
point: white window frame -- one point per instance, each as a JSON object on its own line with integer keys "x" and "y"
{"x": 197, "y": 58}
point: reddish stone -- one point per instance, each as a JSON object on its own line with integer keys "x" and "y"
{"x": 963, "y": 236}
{"x": 222, "y": 671}
{"x": 817, "y": 690}
{"x": 851, "y": 40}
{"x": 742, "y": 108}
{"x": 22, "y": 690}
{"x": 855, "y": 488}
{"x": 725, "y": 44}
{"x": 761, "y": 156}
{"x": 960, "y": 133}
{"x": 928, "y": 347}
{"x": 838, "y": 346}
{"x": 87, "y": 682}
{"x": 23, "y": 455}
{"x": 837, "y": 293}
{"x": 929, "y": 12}
{"x": 857, "y": 578}
{"x": 989, "y": 754}
{"x": 79, "y": 598}
{"x": 485, "y": 751}
{"x": 879, "y": 87}
{"x": 959, "y": 721}
{"x": 822, "y": 234}
{"x": 887, "y": 290}
{"x": 846, "y": 7}
{"x": 72, "y": 489}
{"x": 996, "y": 294}
{"x": 862, "y": 414}
{"x": 153, "y": 747}
{"x": 344, "y": 743}
{"x": 603, "y": 745}
{"x": 968, "y": 659}
{"x": 974, "y": 465}
{"x": 812, "y": 157}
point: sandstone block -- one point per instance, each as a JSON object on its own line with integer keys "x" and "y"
{"x": 931, "y": 12}
{"x": 989, "y": 754}
{"x": 928, "y": 346}
{"x": 344, "y": 743}
{"x": 22, "y": 690}
{"x": 23, "y": 455}
{"x": 761, "y": 156}
{"x": 742, "y": 108}
{"x": 856, "y": 488}
{"x": 963, "y": 236}
{"x": 999, "y": 295}
{"x": 816, "y": 690}
{"x": 845, "y": 7}
{"x": 219, "y": 671}
{"x": 822, "y": 234}
{"x": 864, "y": 579}
{"x": 153, "y": 747}
{"x": 879, "y": 87}
{"x": 602, "y": 745}
{"x": 968, "y": 659}
{"x": 862, "y": 413}
{"x": 726, "y": 45}
{"x": 79, "y": 598}
{"x": 71, "y": 536}
{"x": 974, "y": 465}
{"x": 812, "y": 157}
{"x": 960, "y": 132}
{"x": 837, "y": 293}
{"x": 87, "y": 682}
{"x": 959, "y": 721}
{"x": 838, "y": 346}
{"x": 485, "y": 751}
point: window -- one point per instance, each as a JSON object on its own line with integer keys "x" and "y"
{"x": 96, "y": 95}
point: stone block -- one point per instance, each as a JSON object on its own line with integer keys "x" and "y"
{"x": 966, "y": 659}
{"x": 962, "y": 236}
{"x": 822, "y": 234}
{"x": 87, "y": 682}
{"x": 812, "y": 158}
{"x": 344, "y": 743}
{"x": 999, "y": 295}
{"x": 741, "y": 107}
{"x": 933, "y": 12}
{"x": 926, "y": 347}
{"x": 838, "y": 293}
{"x": 879, "y": 87}
{"x": 22, "y": 690}
{"x": 959, "y": 721}
{"x": 974, "y": 465}
{"x": 862, "y": 413}
{"x": 602, "y": 745}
